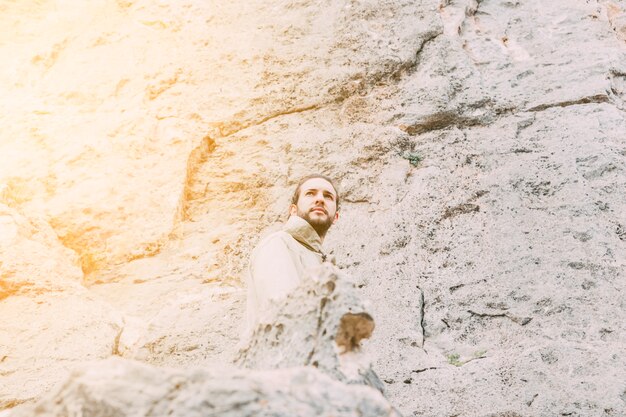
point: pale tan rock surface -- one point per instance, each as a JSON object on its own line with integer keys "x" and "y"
{"x": 479, "y": 147}
{"x": 111, "y": 97}
{"x": 125, "y": 388}
{"x": 321, "y": 323}
{"x": 50, "y": 322}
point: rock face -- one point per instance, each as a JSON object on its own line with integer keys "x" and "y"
{"x": 50, "y": 322}
{"x": 478, "y": 146}
{"x": 124, "y": 388}
{"x": 321, "y": 324}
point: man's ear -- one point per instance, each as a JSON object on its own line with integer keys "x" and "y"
{"x": 293, "y": 210}
{"x": 336, "y": 217}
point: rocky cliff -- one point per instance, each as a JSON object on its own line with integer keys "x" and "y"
{"x": 479, "y": 147}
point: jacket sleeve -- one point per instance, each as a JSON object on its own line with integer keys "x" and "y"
{"x": 273, "y": 273}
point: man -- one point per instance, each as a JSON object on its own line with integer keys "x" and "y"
{"x": 279, "y": 263}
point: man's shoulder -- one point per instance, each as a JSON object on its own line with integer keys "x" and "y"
{"x": 274, "y": 238}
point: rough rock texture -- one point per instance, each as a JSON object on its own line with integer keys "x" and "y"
{"x": 50, "y": 322}
{"x": 479, "y": 147}
{"x": 117, "y": 94}
{"x": 125, "y": 388}
{"x": 321, "y": 323}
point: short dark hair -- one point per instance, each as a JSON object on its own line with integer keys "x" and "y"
{"x": 296, "y": 194}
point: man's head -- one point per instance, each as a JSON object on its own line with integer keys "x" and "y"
{"x": 316, "y": 200}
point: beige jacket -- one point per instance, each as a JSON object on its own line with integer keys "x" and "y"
{"x": 279, "y": 263}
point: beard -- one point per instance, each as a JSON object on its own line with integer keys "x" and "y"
{"x": 320, "y": 224}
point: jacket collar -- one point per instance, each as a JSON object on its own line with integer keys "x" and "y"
{"x": 304, "y": 233}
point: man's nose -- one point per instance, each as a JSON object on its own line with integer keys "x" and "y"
{"x": 319, "y": 197}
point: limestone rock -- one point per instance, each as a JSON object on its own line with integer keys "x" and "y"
{"x": 111, "y": 128}
{"x": 50, "y": 322}
{"x": 321, "y": 323}
{"x": 32, "y": 258}
{"x": 173, "y": 320}
{"x": 124, "y": 388}
{"x": 478, "y": 147}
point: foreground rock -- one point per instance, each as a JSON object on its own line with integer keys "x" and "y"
{"x": 118, "y": 387}
{"x": 321, "y": 323}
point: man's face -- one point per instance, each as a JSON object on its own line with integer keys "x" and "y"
{"x": 317, "y": 204}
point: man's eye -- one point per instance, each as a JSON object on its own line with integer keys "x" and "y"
{"x": 309, "y": 193}
{"x": 330, "y": 197}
